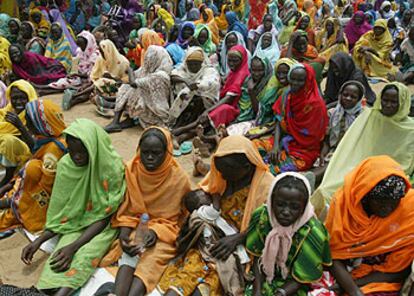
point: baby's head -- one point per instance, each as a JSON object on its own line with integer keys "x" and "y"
{"x": 195, "y": 199}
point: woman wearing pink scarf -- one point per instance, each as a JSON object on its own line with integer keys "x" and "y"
{"x": 290, "y": 246}
{"x": 356, "y": 27}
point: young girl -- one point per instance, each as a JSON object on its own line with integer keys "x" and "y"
{"x": 290, "y": 246}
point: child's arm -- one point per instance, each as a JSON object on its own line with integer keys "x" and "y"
{"x": 344, "y": 278}
{"x": 258, "y": 277}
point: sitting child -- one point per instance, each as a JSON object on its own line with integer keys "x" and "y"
{"x": 201, "y": 230}
{"x": 289, "y": 244}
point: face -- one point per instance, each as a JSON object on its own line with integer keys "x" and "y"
{"x": 37, "y": 17}
{"x": 407, "y": 16}
{"x": 18, "y": 99}
{"x": 187, "y": 32}
{"x": 14, "y": 27}
{"x": 297, "y": 79}
{"x": 390, "y": 102}
{"x": 136, "y": 23}
{"x": 304, "y": 23}
{"x": 378, "y": 31}
{"x": 301, "y": 44}
{"x": 153, "y": 153}
{"x": 382, "y": 207}
{"x": 282, "y": 74}
{"x": 288, "y": 204}
{"x": 391, "y": 23}
{"x": 194, "y": 66}
{"x": 205, "y": 15}
{"x": 330, "y": 27}
{"x": 233, "y": 168}
{"x": 257, "y": 70}
{"x": 15, "y": 54}
{"x": 233, "y": 61}
{"x": 203, "y": 37}
{"x": 358, "y": 19}
{"x": 203, "y": 199}
{"x": 266, "y": 41}
{"x": 77, "y": 151}
{"x": 267, "y": 23}
{"x": 188, "y": 5}
{"x": 27, "y": 31}
{"x": 56, "y": 32}
{"x": 387, "y": 8}
{"x": 231, "y": 41}
{"x": 82, "y": 43}
{"x": 349, "y": 97}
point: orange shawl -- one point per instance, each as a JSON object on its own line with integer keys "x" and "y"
{"x": 149, "y": 38}
{"x": 157, "y": 193}
{"x": 214, "y": 182}
{"x": 355, "y": 235}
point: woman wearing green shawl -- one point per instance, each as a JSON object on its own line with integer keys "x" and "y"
{"x": 203, "y": 38}
{"x": 263, "y": 87}
{"x": 386, "y": 129}
{"x": 88, "y": 189}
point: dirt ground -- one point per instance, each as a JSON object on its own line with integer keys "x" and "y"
{"x": 12, "y": 270}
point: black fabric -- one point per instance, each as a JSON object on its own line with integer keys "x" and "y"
{"x": 8, "y": 290}
{"x": 349, "y": 72}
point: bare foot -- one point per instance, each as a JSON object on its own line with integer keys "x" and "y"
{"x": 113, "y": 127}
{"x": 200, "y": 168}
{"x": 222, "y": 131}
{"x": 202, "y": 147}
{"x": 176, "y": 144}
{"x": 200, "y": 131}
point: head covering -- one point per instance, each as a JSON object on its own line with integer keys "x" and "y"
{"x": 166, "y": 17}
{"x": 14, "y": 150}
{"x": 177, "y": 54}
{"x": 192, "y": 15}
{"x": 26, "y": 87}
{"x": 353, "y": 31}
{"x": 221, "y": 20}
{"x": 334, "y": 83}
{"x": 47, "y": 117}
{"x": 214, "y": 182}
{"x": 354, "y": 234}
{"x": 84, "y": 195}
{"x": 385, "y": 39}
{"x": 235, "y": 79}
{"x": 149, "y": 38}
{"x": 57, "y": 18}
{"x": 389, "y": 14}
{"x": 5, "y": 62}
{"x": 88, "y": 57}
{"x": 60, "y": 50}
{"x": 274, "y": 81}
{"x": 272, "y": 53}
{"x": 43, "y": 27}
{"x": 224, "y": 69}
{"x": 235, "y": 25}
{"x": 3, "y": 100}
{"x": 181, "y": 41}
{"x": 392, "y": 187}
{"x": 239, "y": 9}
{"x": 210, "y": 17}
{"x": 4, "y": 25}
{"x": 157, "y": 193}
{"x": 208, "y": 47}
{"x": 395, "y": 135}
{"x": 279, "y": 240}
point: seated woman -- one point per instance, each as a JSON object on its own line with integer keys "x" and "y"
{"x": 41, "y": 24}
{"x": 88, "y": 189}
{"x": 300, "y": 127}
{"x": 231, "y": 39}
{"x": 373, "y": 49}
{"x": 407, "y": 50}
{"x": 235, "y": 25}
{"x": 268, "y": 48}
{"x": 78, "y": 86}
{"x": 14, "y": 25}
{"x": 398, "y": 36}
{"x": 369, "y": 258}
{"x": 146, "y": 97}
{"x": 109, "y": 72}
{"x": 240, "y": 177}
{"x": 304, "y": 24}
{"x": 25, "y": 203}
{"x": 185, "y": 35}
{"x": 57, "y": 17}
{"x": 337, "y": 77}
{"x": 58, "y": 47}
{"x": 203, "y": 39}
{"x": 18, "y": 94}
{"x": 155, "y": 186}
{"x": 196, "y": 87}
{"x": 331, "y": 39}
{"x": 35, "y": 68}
{"x": 267, "y": 26}
{"x": 32, "y": 42}
{"x": 14, "y": 153}
{"x": 387, "y": 123}
{"x": 356, "y": 27}
{"x": 290, "y": 246}
{"x": 300, "y": 50}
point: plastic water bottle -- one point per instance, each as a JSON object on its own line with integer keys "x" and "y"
{"x": 142, "y": 230}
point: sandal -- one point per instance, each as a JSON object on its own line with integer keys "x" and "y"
{"x": 104, "y": 112}
{"x": 186, "y": 147}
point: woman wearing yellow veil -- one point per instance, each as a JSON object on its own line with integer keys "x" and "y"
{"x": 5, "y": 62}
{"x": 239, "y": 7}
{"x": 41, "y": 24}
{"x": 18, "y": 94}
{"x": 221, "y": 20}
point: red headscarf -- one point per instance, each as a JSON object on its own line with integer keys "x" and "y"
{"x": 304, "y": 117}
{"x": 235, "y": 79}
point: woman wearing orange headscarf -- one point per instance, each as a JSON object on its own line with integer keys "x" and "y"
{"x": 156, "y": 184}
{"x": 149, "y": 38}
{"x": 239, "y": 175}
{"x": 371, "y": 224}
{"x": 25, "y": 202}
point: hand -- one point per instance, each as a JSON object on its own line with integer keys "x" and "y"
{"x": 150, "y": 239}
{"x": 274, "y": 156}
{"x": 62, "y": 259}
{"x": 129, "y": 247}
{"x": 107, "y": 75}
{"x": 14, "y": 119}
{"x": 368, "y": 58}
{"x": 133, "y": 84}
{"x": 225, "y": 246}
{"x": 28, "y": 252}
{"x": 250, "y": 86}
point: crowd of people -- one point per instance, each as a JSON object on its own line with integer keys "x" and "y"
{"x": 306, "y": 171}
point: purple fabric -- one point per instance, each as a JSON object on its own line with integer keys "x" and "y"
{"x": 39, "y": 69}
{"x": 57, "y": 17}
{"x": 353, "y": 31}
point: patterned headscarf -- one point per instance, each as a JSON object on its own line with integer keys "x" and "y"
{"x": 392, "y": 187}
